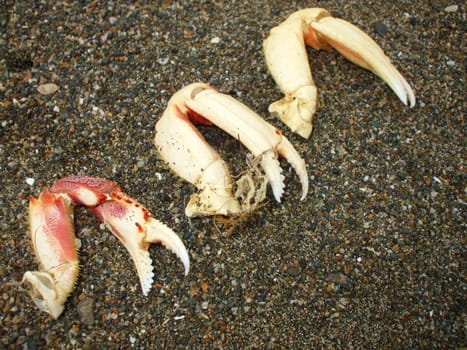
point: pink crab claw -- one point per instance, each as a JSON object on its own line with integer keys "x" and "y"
{"x": 287, "y": 61}
{"x": 188, "y": 154}
{"x": 55, "y": 244}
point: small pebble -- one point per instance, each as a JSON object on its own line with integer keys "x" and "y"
{"x": 381, "y": 28}
{"x": 86, "y": 311}
{"x": 338, "y": 278}
{"x": 48, "y": 88}
{"x": 293, "y": 270}
{"x": 163, "y": 61}
{"x": 451, "y": 8}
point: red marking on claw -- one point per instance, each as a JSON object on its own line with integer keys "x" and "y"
{"x": 140, "y": 228}
{"x": 146, "y": 214}
{"x": 196, "y": 117}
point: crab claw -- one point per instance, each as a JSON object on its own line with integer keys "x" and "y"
{"x": 134, "y": 226}
{"x": 287, "y": 62}
{"x": 127, "y": 219}
{"x": 55, "y": 246}
{"x": 182, "y": 146}
{"x": 258, "y": 136}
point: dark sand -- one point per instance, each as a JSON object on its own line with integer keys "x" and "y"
{"x": 373, "y": 258}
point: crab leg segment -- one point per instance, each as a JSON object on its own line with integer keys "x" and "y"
{"x": 55, "y": 246}
{"x": 191, "y": 157}
{"x": 85, "y": 190}
{"x": 52, "y": 233}
{"x": 287, "y": 61}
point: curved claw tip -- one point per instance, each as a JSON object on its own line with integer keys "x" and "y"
{"x": 180, "y": 251}
{"x": 408, "y": 93}
{"x": 156, "y": 231}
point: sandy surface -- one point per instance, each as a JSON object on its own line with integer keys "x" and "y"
{"x": 374, "y": 257}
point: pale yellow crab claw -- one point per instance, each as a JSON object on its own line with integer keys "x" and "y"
{"x": 188, "y": 154}
{"x": 55, "y": 246}
{"x": 261, "y": 138}
{"x": 287, "y": 62}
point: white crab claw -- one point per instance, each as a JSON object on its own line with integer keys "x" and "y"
{"x": 287, "y": 62}
{"x": 258, "y": 136}
{"x": 55, "y": 246}
{"x": 355, "y": 45}
{"x": 187, "y": 153}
